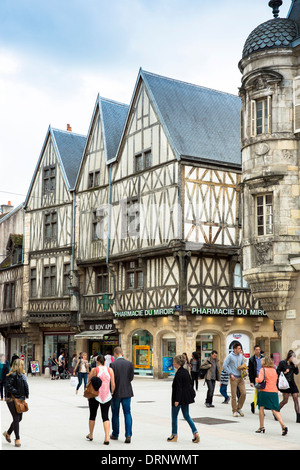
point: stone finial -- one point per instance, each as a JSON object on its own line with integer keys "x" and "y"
{"x": 275, "y": 4}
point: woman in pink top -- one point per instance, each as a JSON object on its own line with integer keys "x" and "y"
{"x": 268, "y": 397}
{"x": 106, "y": 374}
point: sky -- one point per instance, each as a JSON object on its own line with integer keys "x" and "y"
{"x": 55, "y": 57}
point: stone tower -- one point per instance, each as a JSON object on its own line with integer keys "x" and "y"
{"x": 270, "y": 132}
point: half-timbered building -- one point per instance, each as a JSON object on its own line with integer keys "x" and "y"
{"x": 166, "y": 217}
{"x": 12, "y": 335}
{"x": 50, "y": 291}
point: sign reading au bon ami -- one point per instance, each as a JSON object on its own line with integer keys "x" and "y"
{"x": 236, "y": 312}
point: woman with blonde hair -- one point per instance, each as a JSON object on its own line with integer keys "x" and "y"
{"x": 16, "y": 387}
{"x": 268, "y": 396}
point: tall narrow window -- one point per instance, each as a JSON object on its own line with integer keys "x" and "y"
{"x": 264, "y": 214}
{"x": 143, "y": 160}
{"x": 9, "y": 296}
{"x": 67, "y": 279}
{"x": 49, "y": 281}
{"x": 133, "y": 218}
{"x": 49, "y": 179}
{"x": 98, "y": 224}
{"x": 51, "y": 225}
{"x": 101, "y": 279}
{"x": 238, "y": 280}
{"x": 33, "y": 290}
{"x": 261, "y": 116}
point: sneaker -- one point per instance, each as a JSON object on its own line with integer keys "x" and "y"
{"x": 235, "y": 414}
{"x": 240, "y": 413}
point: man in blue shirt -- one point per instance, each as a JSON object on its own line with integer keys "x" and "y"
{"x": 233, "y": 366}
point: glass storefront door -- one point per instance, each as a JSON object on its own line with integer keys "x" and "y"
{"x": 142, "y": 352}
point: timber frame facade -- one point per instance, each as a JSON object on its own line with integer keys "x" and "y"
{"x": 146, "y": 210}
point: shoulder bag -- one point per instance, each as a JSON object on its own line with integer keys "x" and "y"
{"x": 261, "y": 385}
{"x": 21, "y": 405}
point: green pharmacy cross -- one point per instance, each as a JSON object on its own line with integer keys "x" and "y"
{"x": 105, "y": 302}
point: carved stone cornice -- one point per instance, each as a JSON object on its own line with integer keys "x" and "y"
{"x": 273, "y": 290}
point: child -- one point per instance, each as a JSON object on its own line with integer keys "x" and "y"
{"x": 223, "y": 386}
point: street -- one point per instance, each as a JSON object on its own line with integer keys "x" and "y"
{"x": 58, "y": 420}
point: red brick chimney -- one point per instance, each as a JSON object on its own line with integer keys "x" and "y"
{"x": 69, "y": 128}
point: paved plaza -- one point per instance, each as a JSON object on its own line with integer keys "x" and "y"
{"x": 58, "y": 420}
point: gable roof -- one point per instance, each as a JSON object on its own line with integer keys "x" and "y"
{"x": 112, "y": 119}
{"x": 69, "y": 150}
{"x": 201, "y": 123}
{"x": 70, "y": 147}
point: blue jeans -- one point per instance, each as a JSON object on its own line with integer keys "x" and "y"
{"x": 115, "y": 408}
{"x": 223, "y": 391}
{"x": 82, "y": 375}
{"x": 186, "y": 415}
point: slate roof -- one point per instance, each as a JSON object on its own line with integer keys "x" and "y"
{"x": 201, "y": 123}
{"x": 70, "y": 147}
{"x": 277, "y": 32}
{"x": 113, "y": 117}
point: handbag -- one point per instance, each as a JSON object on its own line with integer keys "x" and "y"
{"x": 74, "y": 381}
{"x": 282, "y": 382}
{"x": 261, "y": 385}
{"x": 21, "y": 405}
{"x": 90, "y": 391}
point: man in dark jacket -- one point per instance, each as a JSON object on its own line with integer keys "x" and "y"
{"x": 254, "y": 367}
{"x": 124, "y": 374}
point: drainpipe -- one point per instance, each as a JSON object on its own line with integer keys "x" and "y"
{"x": 108, "y": 235}
{"x": 73, "y": 259}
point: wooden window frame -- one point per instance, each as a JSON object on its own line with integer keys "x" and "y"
{"x": 52, "y": 224}
{"x": 238, "y": 280}
{"x": 101, "y": 280}
{"x": 67, "y": 279}
{"x": 143, "y": 159}
{"x": 49, "y": 179}
{"x": 9, "y": 296}
{"x": 33, "y": 282}
{"x": 135, "y": 272}
{"x": 94, "y": 179}
{"x": 52, "y": 277}
{"x": 264, "y": 212}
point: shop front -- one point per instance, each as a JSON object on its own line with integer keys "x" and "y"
{"x": 97, "y": 338}
{"x": 60, "y": 342}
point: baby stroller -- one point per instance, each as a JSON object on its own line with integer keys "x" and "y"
{"x": 63, "y": 373}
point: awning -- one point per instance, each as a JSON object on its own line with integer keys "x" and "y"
{"x": 94, "y": 334}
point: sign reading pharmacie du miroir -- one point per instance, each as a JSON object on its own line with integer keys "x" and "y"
{"x": 157, "y": 312}
{"x": 236, "y": 312}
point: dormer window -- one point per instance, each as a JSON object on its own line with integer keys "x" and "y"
{"x": 94, "y": 179}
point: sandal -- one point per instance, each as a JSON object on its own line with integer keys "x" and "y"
{"x": 284, "y": 431}
{"x": 7, "y": 436}
{"x": 260, "y": 430}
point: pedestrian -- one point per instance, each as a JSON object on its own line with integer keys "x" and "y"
{"x": 195, "y": 368}
{"x": 223, "y": 386}
{"x": 124, "y": 374}
{"x": 14, "y": 357}
{"x": 107, "y": 378}
{"x": 183, "y": 395}
{"x": 187, "y": 364}
{"x": 82, "y": 367}
{"x": 268, "y": 397}
{"x": 289, "y": 368}
{"x": 108, "y": 359}
{"x": 4, "y": 370}
{"x": 17, "y": 386}
{"x": 213, "y": 373}
{"x": 254, "y": 367}
{"x": 54, "y": 367}
{"x": 231, "y": 364}
{"x": 74, "y": 362}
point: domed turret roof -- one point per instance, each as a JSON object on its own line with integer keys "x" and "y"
{"x": 277, "y": 32}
